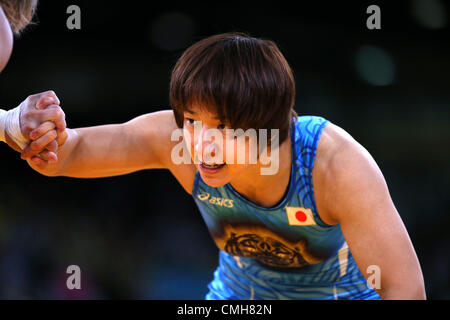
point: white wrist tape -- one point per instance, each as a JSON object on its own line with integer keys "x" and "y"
{"x": 10, "y": 123}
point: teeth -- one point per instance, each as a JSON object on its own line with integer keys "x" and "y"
{"x": 211, "y": 165}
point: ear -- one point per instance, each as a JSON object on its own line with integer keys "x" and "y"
{"x": 6, "y": 40}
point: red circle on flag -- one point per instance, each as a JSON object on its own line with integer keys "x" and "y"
{"x": 301, "y": 216}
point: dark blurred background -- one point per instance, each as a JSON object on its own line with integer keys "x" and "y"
{"x": 140, "y": 236}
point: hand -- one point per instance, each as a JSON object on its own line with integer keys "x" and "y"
{"x": 43, "y": 121}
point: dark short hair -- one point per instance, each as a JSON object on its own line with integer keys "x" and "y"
{"x": 246, "y": 81}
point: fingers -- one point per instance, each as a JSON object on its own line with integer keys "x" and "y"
{"x": 41, "y": 130}
{"x": 47, "y": 156}
{"x": 57, "y": 115}
{"x": 40, "y": 116}
{"x": 33, "y": 99}
{"x": 62, "y": 137}
{"x": 44, "y": 159}
{"x": 52, "y": 113}
{"x": 52, "y": 146}
{"x": 53, "y": 95}
{"x": 44, "y": 128}
{"x": 38, "y": 145}
{"x": 45, "y": 102}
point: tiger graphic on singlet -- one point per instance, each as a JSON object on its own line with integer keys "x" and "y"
{"x": 282, "y": 252}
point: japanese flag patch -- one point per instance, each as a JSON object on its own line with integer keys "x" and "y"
{"x": 299, "y": 216}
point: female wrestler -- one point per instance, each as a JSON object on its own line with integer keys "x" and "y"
{"x": 317, "y": 227}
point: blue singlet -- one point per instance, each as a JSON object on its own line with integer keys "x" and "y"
{"x": 283, "y": 252}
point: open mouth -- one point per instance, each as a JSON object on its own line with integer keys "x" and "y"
{"x": 212, "y": 166}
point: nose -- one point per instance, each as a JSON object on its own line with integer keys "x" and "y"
{"x": 205, "y": 148}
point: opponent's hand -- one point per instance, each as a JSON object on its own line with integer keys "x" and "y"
{"x": 43, "y": 122}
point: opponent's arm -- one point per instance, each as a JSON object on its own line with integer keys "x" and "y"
{"x": 352, "y": 191}
{"x": 111, "y": 150}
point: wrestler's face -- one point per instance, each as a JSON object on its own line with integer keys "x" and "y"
{"x": 210, "y": 141}
{"x": 6, "y": 40}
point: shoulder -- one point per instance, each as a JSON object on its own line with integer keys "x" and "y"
{"x": 159, "y": 123}
{"x": 152, "y": 131}
{"x": 171, "y": 138}
{"x": 160, "y": 135}
{"x": 344, "y": 173}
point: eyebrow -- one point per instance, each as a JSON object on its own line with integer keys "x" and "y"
{"x": 192, "y": 112}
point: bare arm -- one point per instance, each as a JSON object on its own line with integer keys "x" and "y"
{"x": 356, "y": 196}
{"x": 115, "y": 149}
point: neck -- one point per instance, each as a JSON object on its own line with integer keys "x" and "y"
{"x": 266, "y": 190}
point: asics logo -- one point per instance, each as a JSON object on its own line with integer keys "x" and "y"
{"x": 228, "y": 203}
{"x": 203, "y": 196}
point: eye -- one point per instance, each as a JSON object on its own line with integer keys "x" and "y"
{"x": 189, "y": 121}
{"x": 222, "y": 126}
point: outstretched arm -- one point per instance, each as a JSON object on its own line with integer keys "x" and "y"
{"x": 110, "y": 150}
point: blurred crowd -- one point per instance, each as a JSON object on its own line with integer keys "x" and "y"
{"x": 140, "y": 236}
